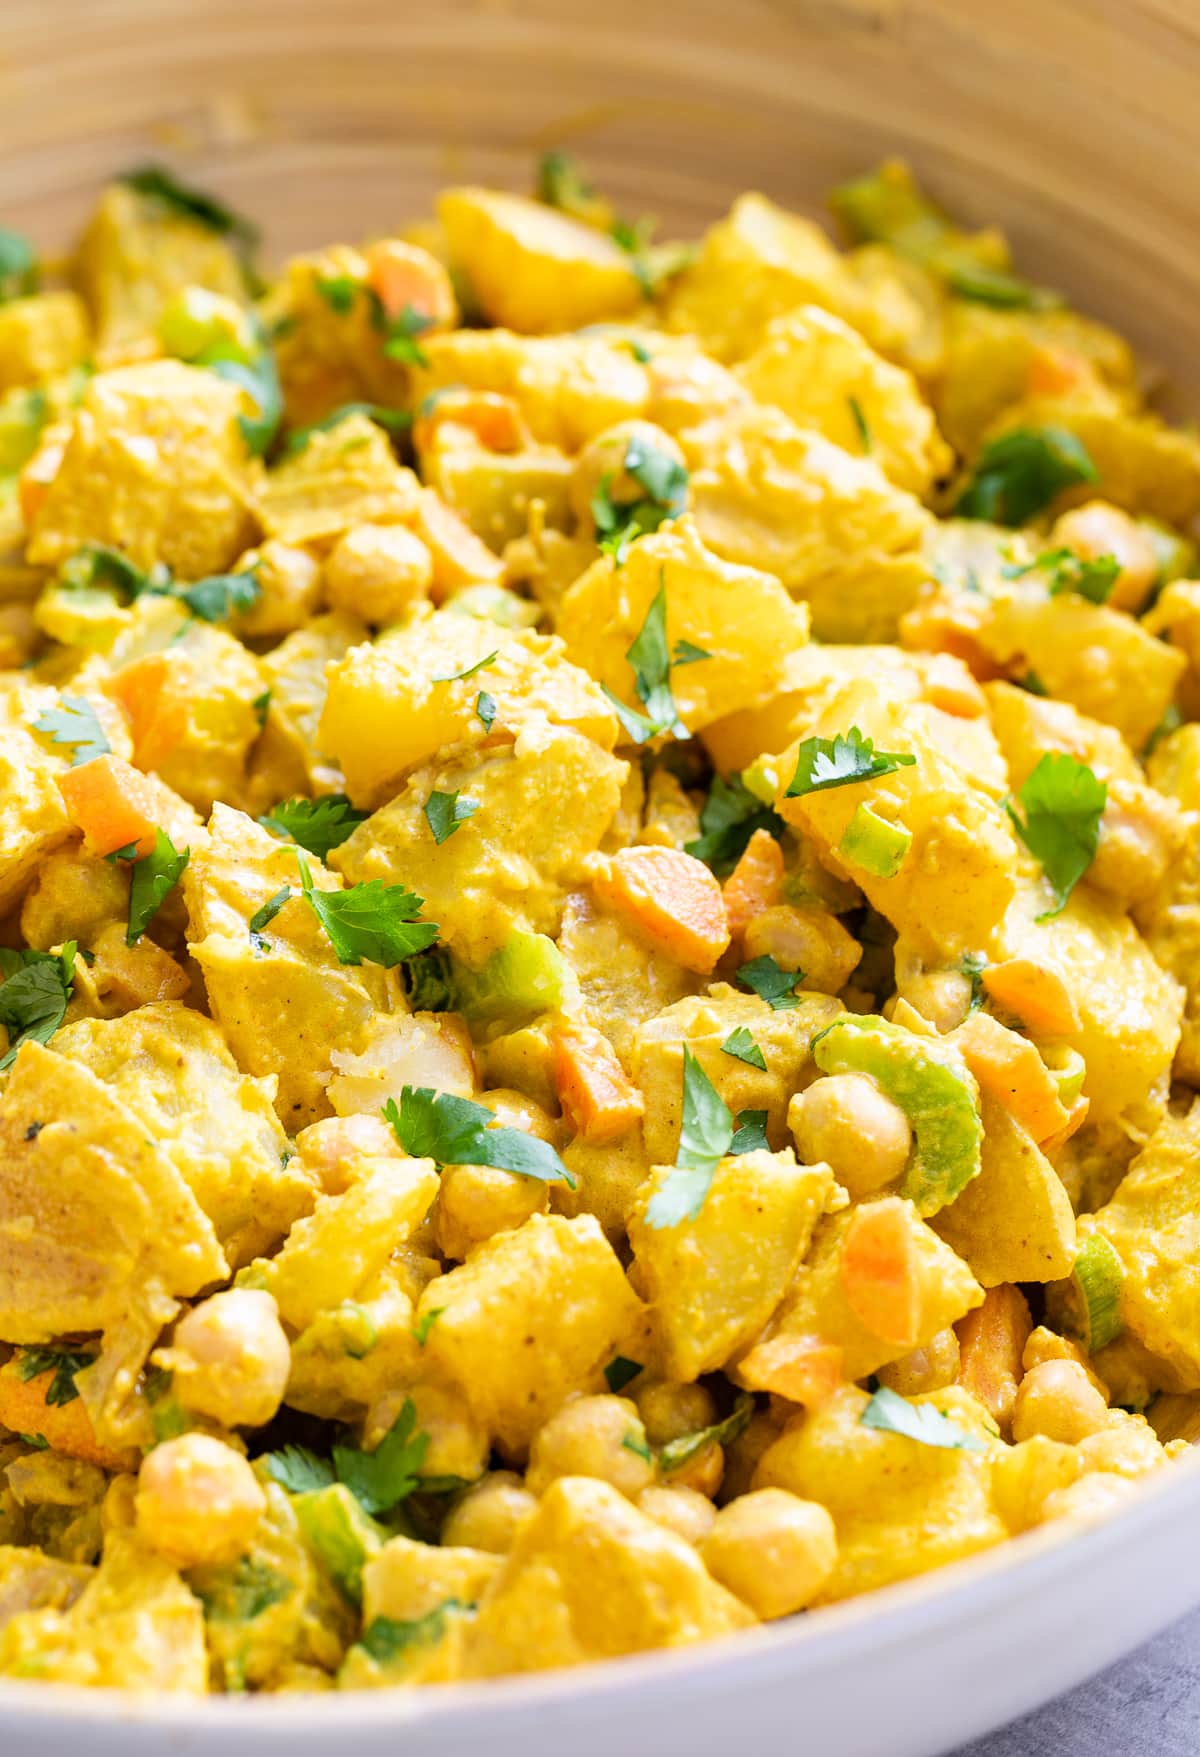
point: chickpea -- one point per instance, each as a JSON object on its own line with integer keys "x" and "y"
{"x": 670, "y": 1410}
{"x": 490, "y": 1514}
{"x": 943, "y": 997}
{"x": 1097, "y": 529}
{"x": 1059, "y": 1400}
{"x": 1092, "y": 1497}
{"x": 845, "y": 1120}
{"x": 687, "y": 388}
{"x": 330, "y": 1149}
{"x": 289, "y": 588}
{"x": 605, "y": 457}
{"x": 1141, "y": 833}
{"x": 593, "y": 1436}
{"x": 686, "y": 1512}
{"x": 1128, "y": 1446}
{"x": 475, "y": 1202}
{"x": 378, "y": 571}
{"x": 704, "y": 1471}
{"x": 931, "y": 1368}
{"x": 230, "y": 1358}
{"x": 801, "y": 937}
{"x": 772, "y": 1550}
{"x": 197, "y": 1501}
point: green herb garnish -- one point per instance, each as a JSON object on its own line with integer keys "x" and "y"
{"x": 151, "y": 879}
{"x": 1019, "y": 474}
{"x": 316, "y": 824}
{"x": 889, "y": 1413}
{"x": 455, "y": 1131}
{"x": 775, "y": 986}
{"x": 444, "y": 812}
{"x": 1062, "y": 803}
{"x": 34, "y": 995}
{"x": 74, "y": 724}
{"x": 704, "y": 1140}
{"x": 372, "y": 921}
{"x": 840, "y": 761}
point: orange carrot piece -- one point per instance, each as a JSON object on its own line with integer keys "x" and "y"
{"x": 880, "y": 1272}
{"x": 1055, "y": 371}
{"x": 33, "y": 484}
{"x": 1076, "y": 1117}
{"x": 67, "y": 1426}
{"x": 673, "y": 898}
{"x": 113, "y": 804}
{"x": 754, "y": 884}
{"x": 991, "y": 1341}
{"x": 593, "y": 1088}
{"x": 1011, "y": 1071}
{"x": 804, "y": 1369}
{"x": 495, "y": 421}
{"x": 407, "y": 277}
{"x": 460, "y": 558}
{"x": 1037, "y": 996}
{"x": 154, "y": 695}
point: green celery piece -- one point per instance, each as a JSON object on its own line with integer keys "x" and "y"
{"x": 523, "y": 978}
{"x": 873, "y": 844}
{"x": 341, "y": 1536}
{"x": 929, "y": 1080}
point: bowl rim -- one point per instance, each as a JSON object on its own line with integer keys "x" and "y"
{"x": 895, "y": 1616}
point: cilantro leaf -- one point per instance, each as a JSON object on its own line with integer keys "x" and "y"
{"x": 399, "y": 333}
{"x": 972, "y": 966}
{"x": 261, "y": 705}
{"x": 687, "y": 653}
{"x": 221, "y": 595}
{"x": 75, "y": 724}
{"x": 457, "y": 676}
{"x": 444, "y": 812}
{"x": 993, "y": 286}
{"x": 62, "y": 1389}
{"x": 400, "y": 336}
{"x": 889, "y": 1413}
{"x": 163, "y": 186}
{"x": 298, "y": 1470}
{"x": 18, "y": 265}
{"x": 1092, "y": 577}
{"x": 385, "y": 1638}
{"x": 485, "y": 710}
{"x": 741, "y": 1045}
{"x": 676, "y": 1453}
{"x": 264, "y": 916}
{"x": 651, "y": 664}
{"x": 664, "y": 481}
{"x": 775, "y": 986}
{"x": 340, "y": 292}
{"x": 865, "y": 437}
{"x": 259, "y": 378}
{"x": 150, "y": 881}
{"x": 840, "y": 761}
{"x": 381, "y": 1479}
{"x": 455, "y": 1131}
{"x": 316, "y": 824}
{"x": 425, "y": 1323}
{"x": 391, "y": 420}
{"x": 1062, "y": 804}
{"x": 373, "y": 921}
{"x": 34, "y": 995}
{"x": 728, "y": 818}
{"x": 620, "y": 1372}
{"x": 1018, "y": 474}
{"x": 750, "y": 1136}
{"x": 704, "y": 1139}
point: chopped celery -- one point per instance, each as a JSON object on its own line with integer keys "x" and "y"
{"x": 341, "y": 1536}
{"x": 525, "y": 977}
{"x": 763, "y": 779}
{"x": 494, "y": 604}
{"x": 929, "y": 1080}
{"x": 1089, "y": 1304}
{"x": 195, "y": 320}
{"x": 873, "y": 844}
{"x": 23, "y": 414}
{"x": 1068, "y": 1068}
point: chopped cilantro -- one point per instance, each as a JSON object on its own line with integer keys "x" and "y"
{"x": 1019, "y": 474}
{"x": 678, "y": 1453}
{"x": 264, "y": 916}
{"x": 391, "y": 420}
{"x": 889, "y": 1413}
{"x": 75, "y": 724}
{"x": 259, "y": 378}
{"x": 385, "y": 1638}
{"x": 163, "y": 186}
{"x": 775, "y": 986}
{"x": 704, "y": 1140}
{"x": 728, "y": 818}
{"x": 372, "y": 921}
{"x": 639, "y": 1448}
{"x": 316, "y": 824}
{"x": 1092, "y": 578}
{"x": 97, "y": 565}
{"x": 340, "y": 292}
{"x": 298, "y": 1470}
{"x": 400, "y": 337}
{"x": 221, "y": 595}
{"x": 687, "y": 653}
{"x": 246, "y": 1590}
{"x": 455, "y": 1131}
{"x": 458, "y": 676}
{"x": 425, "y": 1323}
{"x": 381, "y": 1479}
{"x": 38, "y": 1442}
{"x": 485, "y": 710}
{"x": 973, "y": 965}
{"x": 34, "y": 995}
{"x": 649, "y": 657}
{"x": 1062, "y": 804}
{"x": 865, "y": 437}
{"x": 444, "y": 812}
{"x": 261, "y": 705}
{"x": 664, "y": 482}
{"x": 18, "y": 265}
{"x": 741, "y": 1045}
{"x": 621, "y": 1371}
{"x": 151, "y": 879}
{"x": 840, "y": 761}
{"x": 750, "y": 1136}
{"x": 33, "y": 1362}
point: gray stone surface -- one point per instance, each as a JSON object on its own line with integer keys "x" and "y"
{"x": 1147, "y": 1706}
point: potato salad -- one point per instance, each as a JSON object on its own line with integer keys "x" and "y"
{"x": 599, "y": 931}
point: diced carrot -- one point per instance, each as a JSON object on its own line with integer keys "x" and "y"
{"x": 804, "y": 1369}
{"x": 1037, "y": 996}
{"x": 495, "y": 421}
{"x": 153, "y": 694}
{"x": 880, "y": 1272}
{"x": 67, "y": 1426}
{"x": 673, "y": 898}
{"x": 991, "y": 1341}
{"x": 1011, "y": 1071}
{"x": 948, "y": 685}
{"x": 460, "y": 558}
{"x": 1054, "y": 371}
{"x": 755, "y": 881}
{"x": 33, "y": 484}
{"x": 405, "y": 276}
{"x": 1076, "y": 1117}
{"x": 113, "y": 803}
{"x": 593, "y": 1088}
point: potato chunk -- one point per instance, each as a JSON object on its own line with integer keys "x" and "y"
{"x": 532, "y": 1316}
{"x": 1014, "y": 1221}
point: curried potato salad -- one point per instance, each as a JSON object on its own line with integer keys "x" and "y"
{"x": 600, "y": 931}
